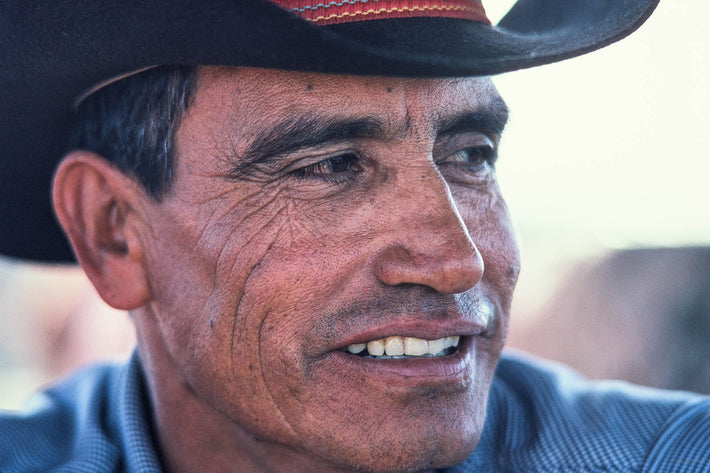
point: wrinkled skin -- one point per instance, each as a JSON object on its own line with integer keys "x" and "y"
{"x": 260, "y": 275}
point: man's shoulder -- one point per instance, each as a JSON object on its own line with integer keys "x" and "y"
{"x": 543, "y": 416}
{"x": 547, "y": 383}
{"x": 78, "y": 425}
{"x": 57, "y": 422}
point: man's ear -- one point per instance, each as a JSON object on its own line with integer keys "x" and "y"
{"x": 97, "y": 206}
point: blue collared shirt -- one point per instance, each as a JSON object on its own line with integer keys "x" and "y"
{"x": 541, "y": 418}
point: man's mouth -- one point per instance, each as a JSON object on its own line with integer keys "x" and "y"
{"x": 396, "y": 347}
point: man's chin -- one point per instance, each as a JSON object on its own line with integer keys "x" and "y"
{"x": 409, "y": 455}
{"x": 439, "y": 453}
{"x": 442, "y": 437}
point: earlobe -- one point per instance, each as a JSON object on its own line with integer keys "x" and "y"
{"x": 96, "y": 205}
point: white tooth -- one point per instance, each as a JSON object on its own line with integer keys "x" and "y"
{"x": 356, "y": 347}
{"x": 447, "y": 342}
{"x": 394, "y": 346}
{"x": 376, "y": 348}
{"x": 435, "y": 346}
{"x": 415, "y": 346}
{"x": 455, "y": 341}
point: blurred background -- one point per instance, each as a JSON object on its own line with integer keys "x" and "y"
{"x": 604, "y": 165}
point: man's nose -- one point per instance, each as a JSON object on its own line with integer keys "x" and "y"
{"x": 429, "y": 243}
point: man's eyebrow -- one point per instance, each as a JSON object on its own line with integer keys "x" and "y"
{"x": 300, "y": 133}
{"x": 491, "y": 118}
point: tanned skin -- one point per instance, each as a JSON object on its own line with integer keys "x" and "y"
{"x": 309, "y": 212}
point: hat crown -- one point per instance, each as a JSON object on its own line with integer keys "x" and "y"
{"x": 326, "y": 12}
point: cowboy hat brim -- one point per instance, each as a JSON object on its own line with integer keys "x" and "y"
{"x": 52, "y": 53}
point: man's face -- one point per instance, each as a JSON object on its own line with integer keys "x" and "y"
{"x": 310, "y": 213}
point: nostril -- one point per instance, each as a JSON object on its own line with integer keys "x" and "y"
{"x": 441, "y": 268}
{"x": 469, "y": 273}
{"x": 458, "y": 278}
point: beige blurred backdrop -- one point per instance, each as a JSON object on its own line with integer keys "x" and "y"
{"x": 604, "y": 152}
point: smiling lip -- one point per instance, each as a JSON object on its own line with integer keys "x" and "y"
{"x": 454, "y": 367}
{"x": 413, "y": 370}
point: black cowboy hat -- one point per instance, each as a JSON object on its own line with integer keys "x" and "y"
{"x": 53, "y": 52}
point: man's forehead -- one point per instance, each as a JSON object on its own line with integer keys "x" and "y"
{"x": 252, "y": 100}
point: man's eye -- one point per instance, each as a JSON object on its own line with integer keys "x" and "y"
{"x": 332, "y": 168}
{"x": 473, "y": 157}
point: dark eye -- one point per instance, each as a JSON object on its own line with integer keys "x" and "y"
{"x": 474, "y": 157}
{"x": 331, "y": 168}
